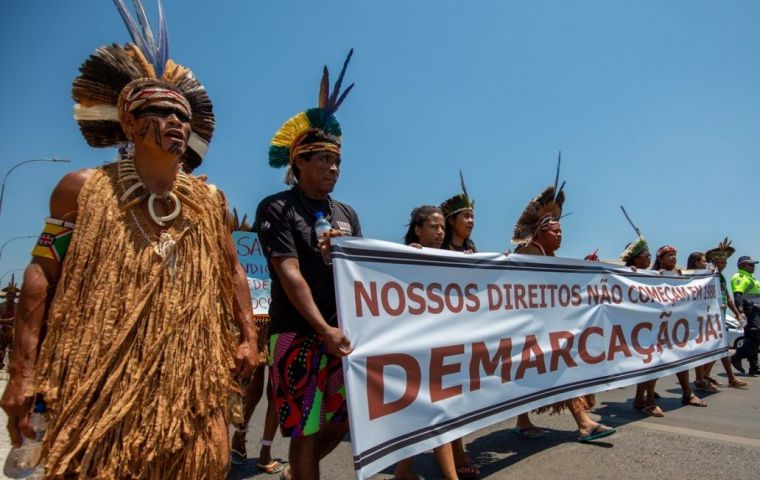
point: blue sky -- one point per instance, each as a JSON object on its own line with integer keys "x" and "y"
{"x": 655, "y": 105}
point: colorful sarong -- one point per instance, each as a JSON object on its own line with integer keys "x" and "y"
{"x": 307, "y": 383}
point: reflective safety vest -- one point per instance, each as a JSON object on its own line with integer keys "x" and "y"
{"x": 745, "y": 283}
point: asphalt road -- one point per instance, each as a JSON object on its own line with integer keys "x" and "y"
{"x": 722, "y": 440}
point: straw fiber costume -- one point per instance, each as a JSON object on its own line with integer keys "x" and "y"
{"x": 543, "y": 213}
{"x": 136, "y": 366}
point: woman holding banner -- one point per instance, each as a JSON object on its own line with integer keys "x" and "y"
{"x": 459, "y": 215}
{"x": 538, "y": 232}
{"x": 426, "y": 229}
{"x": 665, "y": 263}
{"x": 636, "y": 256}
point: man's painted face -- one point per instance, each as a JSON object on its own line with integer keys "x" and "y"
{"x": 162, "y": 124}
{"x": 463, "y": 222}
{"x": 431, "y": 231}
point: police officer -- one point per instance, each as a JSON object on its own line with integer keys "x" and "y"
{"x": 746, "y": 290}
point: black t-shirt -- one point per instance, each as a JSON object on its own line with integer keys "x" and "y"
{"x": 285, "y": 225}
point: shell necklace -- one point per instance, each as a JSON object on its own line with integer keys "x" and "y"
{"x": 165, "y": 244}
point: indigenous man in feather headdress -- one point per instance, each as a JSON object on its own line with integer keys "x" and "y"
{"x": 7, "y": 314}
{"x": 306, "y": 343}
{"x": 538, "y": 232}
{"x": 147, "y": 300}
{"x": 719, "y": 256}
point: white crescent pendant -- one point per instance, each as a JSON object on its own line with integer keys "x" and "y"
{"x": 161, "y": 221}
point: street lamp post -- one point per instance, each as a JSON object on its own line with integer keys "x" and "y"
{"x": 12, "y": 239}
{"x": 2, "y": 188}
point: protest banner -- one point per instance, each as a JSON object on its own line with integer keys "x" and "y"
{"x": 256, "y": 269}
{"x": 447, "y": 343}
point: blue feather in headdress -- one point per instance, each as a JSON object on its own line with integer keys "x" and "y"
{"x": 157, "y": 53}
{"x": 336, "y": 97}
{"x": 556, "y": 178}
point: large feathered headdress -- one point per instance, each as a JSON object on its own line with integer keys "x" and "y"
{"x": 723, "y": 251}
{"x": 459, "y": 202}
{"x": 313, "y": 130}
{"x": 636, "y": 247}
{"x": 540, "y": 212}
{"x": 115, "y": 77}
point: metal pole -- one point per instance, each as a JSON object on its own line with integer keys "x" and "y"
{"x": 12, "y": 239}
{"x": 2, "y": 188}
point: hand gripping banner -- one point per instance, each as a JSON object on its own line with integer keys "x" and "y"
{"x": 447, "y": 343}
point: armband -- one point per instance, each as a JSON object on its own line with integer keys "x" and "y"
{"x": 54, "y": 239}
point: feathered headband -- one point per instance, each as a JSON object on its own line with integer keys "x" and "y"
{"x": 114, "y": 77}
{"x": 459, "y": 202}
{"x": 540, "y": 212}
{"x": 636, "y": 247}
{"x": 313, "y": 130}
{"x": 723, "y": 251}
{"x": 664, "y": 250}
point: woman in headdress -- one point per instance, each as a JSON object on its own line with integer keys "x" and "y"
{"x": 426, "y": 229}
{"x": 665, "y": 263}
{"x": 538, "y": 232}
{"x": 459, "y": 215}
{"x": 459, "y": 212}
{"x": 636, "y": 256}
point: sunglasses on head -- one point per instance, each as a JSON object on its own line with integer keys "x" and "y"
{"x": 162, "y": 111}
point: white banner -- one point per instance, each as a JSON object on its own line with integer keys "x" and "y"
{"x": 252, "y": 259}
{"x": 447, "y": 343}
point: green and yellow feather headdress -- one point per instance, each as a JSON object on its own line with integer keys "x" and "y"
{"x": 313, "y": 130}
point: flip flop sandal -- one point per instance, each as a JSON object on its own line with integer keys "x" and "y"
{"x": 468, "y": 472}
{"x": 530, "y": 433}
{"x": 270, "y": 468}
{"x": 654, "y": 411}
{"x": 238, "y": 458}
{"x": 599, "y": 431}
{"x": 713, "y": 380}
{"x": 738, "y": 384}
{"x": 693, "y": 400}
